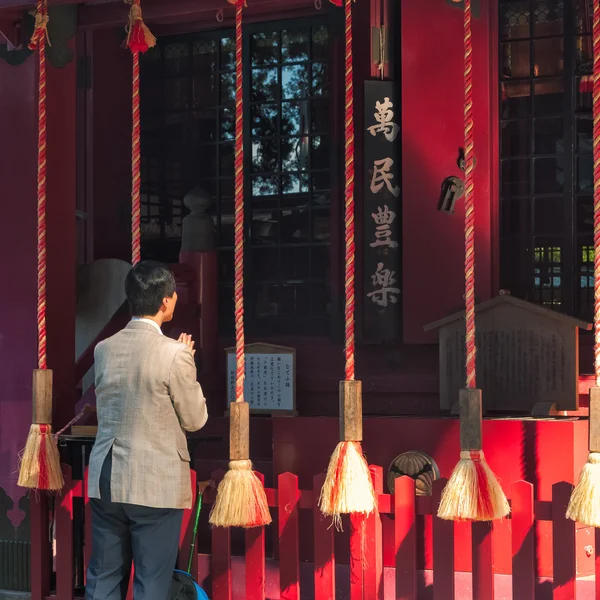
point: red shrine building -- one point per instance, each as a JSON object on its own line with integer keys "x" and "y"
{"x": 533, "y": 200}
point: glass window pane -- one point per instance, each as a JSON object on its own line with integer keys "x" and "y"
{"x": 548, "y": 175}
{"x": 516, "y": 60}
{"x": 205, "y": 55}
{"x": 548, "y": 57}
{"x": 294, "y": 81}
{"x": 265, "y": 120}
{"x": 227, "y": 88}
{"x": 295, "y": 262}
{"x": 294, "y": 45}
{"x": 265, "y": 156}
{"x": 548, "y": 215}
{"x": 177, "y": 94}
{"x": 548, "y": 17}
{"x": 320, "y": 43}
{"x": 227, "y": 124}
{"x": 264, "y": 229}
{"x": 265, "y": 185}
{"x": 320, "y": 79}
{"x": 585, "y": 214}
{"x": 264, "y": 48}
{"x": 321, "y": 226}
{"x": 516, "y": 177}
{"x": 176, "y": 57}
{"x": 205, "y": 90}
{"x": 548, "y": 97}
{"x": 291, "y": 184}
{"x": 227, "y": 54}
{"x": 265, "y": 85}
{"x": 320, "y": 120}
{"x": 514, "y": 20}
{"x": 294, "y": 118}
{"x": 294, "y": 153}
{"x": 295, "y": 225}
{"x": 516, "y": 100}
{"x": 548, "y": 136}
{"x": 585, "y": 173}
{"x": 584, "y": 128}
{"x": 515, "y": 138}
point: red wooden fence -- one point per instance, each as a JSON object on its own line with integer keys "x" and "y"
{"x": 366, "y": 565}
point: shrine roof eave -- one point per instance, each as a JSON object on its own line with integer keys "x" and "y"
{"x": 109, "y": 13}
{"x": 507, "y": 299}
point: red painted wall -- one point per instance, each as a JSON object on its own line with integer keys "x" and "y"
{"x": 18, "y": 249}
{"x": 432, "y": 133}
{"x": 111, "y": 146}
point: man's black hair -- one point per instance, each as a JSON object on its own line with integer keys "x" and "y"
{"x": 146, "y": 285}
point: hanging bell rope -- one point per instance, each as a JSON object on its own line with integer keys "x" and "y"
{"x": 241, "y": 500}
{"x": 584, "y": 505}
{"x": 472, "y": 492}
{"x": 139, "y": 39}
{"x": 40, "y": 462}
{"x": 348, "y": 487}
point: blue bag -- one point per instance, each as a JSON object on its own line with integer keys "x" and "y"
{"x": 183, "y": 586}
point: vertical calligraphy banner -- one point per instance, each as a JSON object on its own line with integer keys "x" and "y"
{"x": 382, "y": 313}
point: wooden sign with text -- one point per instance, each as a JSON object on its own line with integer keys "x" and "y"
{"x": 382, "y": 306}
{"x": 527, "y": 357}
{"x": 270, "y": 384}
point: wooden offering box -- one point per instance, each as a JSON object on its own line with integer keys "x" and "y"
{"x": 527, "y": 357}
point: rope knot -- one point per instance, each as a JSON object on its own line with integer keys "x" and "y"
{"x": 474, "y": 455}
{"x": 40, "y": 29}
{"x": 139, "y": 37}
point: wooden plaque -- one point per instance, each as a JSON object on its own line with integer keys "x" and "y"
{"x": 526, "y": 355}
{"x": 270, "y": 384}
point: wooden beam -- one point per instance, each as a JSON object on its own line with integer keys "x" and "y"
{"x": 165, "y": 11}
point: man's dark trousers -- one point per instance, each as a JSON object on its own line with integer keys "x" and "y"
{"x": 125, "y": 532}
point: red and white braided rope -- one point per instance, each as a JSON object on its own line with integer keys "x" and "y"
{"x": 596, "y": 142}
{"x": 38, "y": 42}
{"x": 350, "y": 247}
{"x": 469, "y": 202}
{"x": 239, "y": 207}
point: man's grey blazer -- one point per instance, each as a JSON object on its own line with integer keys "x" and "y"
{"x": 147, "y": 396}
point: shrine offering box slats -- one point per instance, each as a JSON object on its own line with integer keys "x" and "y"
{"x": 528, "y": 356}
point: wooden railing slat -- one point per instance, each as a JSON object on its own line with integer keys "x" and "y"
{"x": 523, "y": 546}
{"x": 255, "y": 560}
{"x": 563, "y": 544}
{"x": 357, "y": 558}
{"x": 373, "y": 565}
{"x": 289, "y": 545}
{"x": 41, "y": 556}
{"x": 443, "y": 550}
{"x": 221, "y": 558}
{"x": 483, "y": 561}
{"x": 405, "y": 538}
{"x": 64, "y": 537}
{"x": 324, "y": 553}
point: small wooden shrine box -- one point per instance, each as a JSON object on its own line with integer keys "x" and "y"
{"x": 527, "y": 356}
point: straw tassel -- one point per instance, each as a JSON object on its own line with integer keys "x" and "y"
{"x": 139, "y": 37}
{"x": 473, "y": 492}
{"x": 40, "y": 467}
